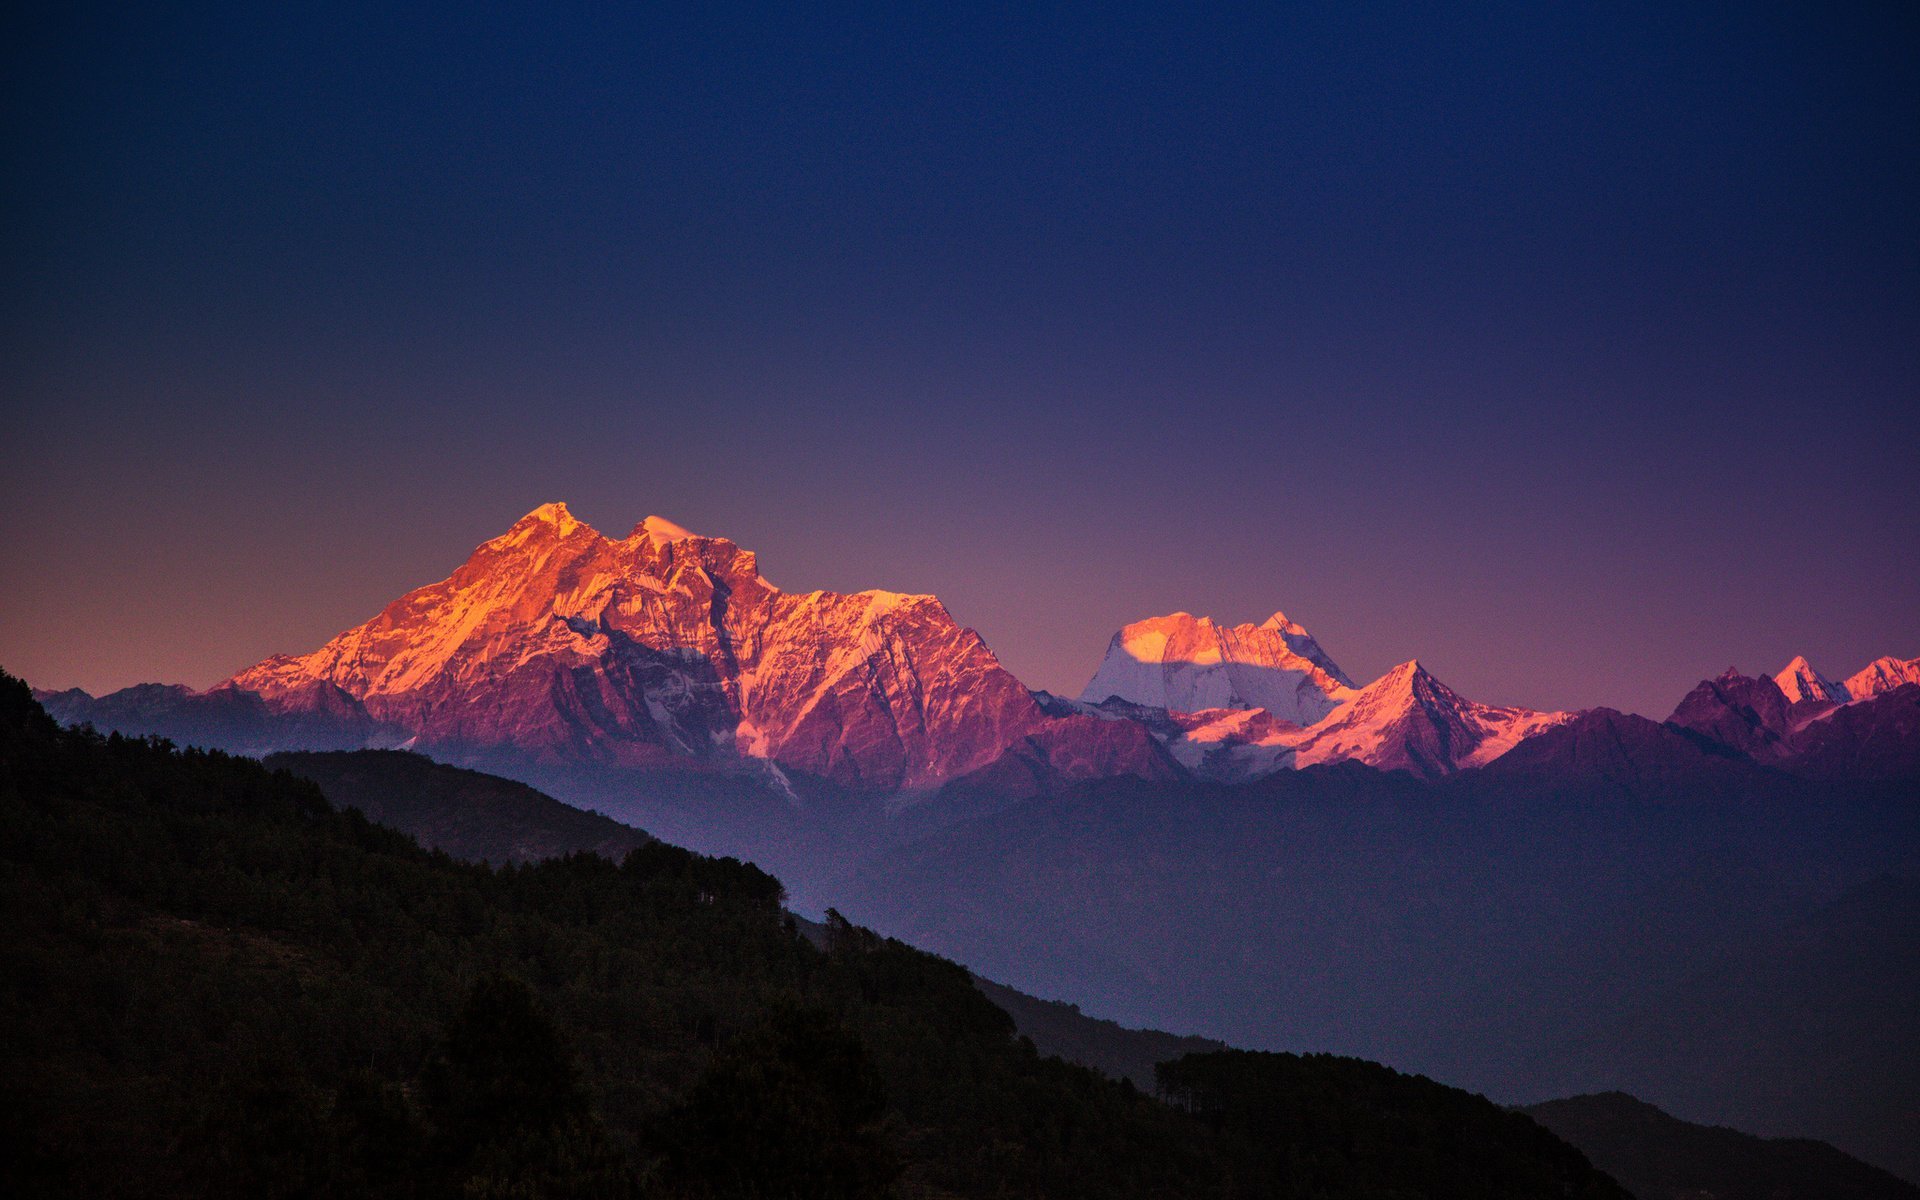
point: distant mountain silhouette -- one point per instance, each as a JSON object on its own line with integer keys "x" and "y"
{"x": 1659, "y": 1157}
{"x": 468, "y": 814}
{"x": 1593, "y": 914}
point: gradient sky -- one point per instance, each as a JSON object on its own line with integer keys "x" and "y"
{"x": 1574, "y": 349}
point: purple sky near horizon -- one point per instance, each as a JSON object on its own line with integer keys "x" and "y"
{"x": 1575, "y": 353}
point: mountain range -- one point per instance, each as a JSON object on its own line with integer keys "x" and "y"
{"x": 555, "y": 648}
{"x": 1223, "y": 833}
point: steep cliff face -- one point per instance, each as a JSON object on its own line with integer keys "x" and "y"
{"x": 663, "y": 646}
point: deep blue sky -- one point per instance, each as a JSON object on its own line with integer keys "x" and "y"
{"x": 1570, "y": 348}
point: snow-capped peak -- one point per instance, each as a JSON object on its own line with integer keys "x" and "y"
{"x": 1882, "y": 675}
{"x": 1183, "y": 663}
{"x": 550, "y": 523}
{"x": 553, "y": 513}
{"x": 555, "y": 642}
{"x": 1799, "y": 681}
{"x": 1281, "y": 623}
{"x": 662, "y": 531}
{"x": 1409, "y": 720}
{"x": 1403, "y": 677}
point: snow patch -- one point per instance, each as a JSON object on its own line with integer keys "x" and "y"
{"x": 661, "y": 531}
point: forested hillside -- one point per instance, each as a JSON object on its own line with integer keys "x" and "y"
{"x": 469, "y": 814}
{"x": 214, "y": 983}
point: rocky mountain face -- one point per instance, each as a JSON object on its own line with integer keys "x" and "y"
{"x": 1866, "y": 728}
{"x": 665, "y": 647}
{"x": 1875, "y": 738}
{"x": 1742, "y": 712}
{"x": 1625, "y": 753}
{"x": 557, "y": 648}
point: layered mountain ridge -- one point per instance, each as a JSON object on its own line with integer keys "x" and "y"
{"x": 1381, "y": 868}
{"x": 1234, "y": 703}
{"x": 1874, "y": 735}
{"x": 559, "y": 648}
{"x": 1881, "y": 675}
{"x": 1801, "y": 684}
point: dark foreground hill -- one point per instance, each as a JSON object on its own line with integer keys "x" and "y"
{"x": 1659, "y": 1157}
{"x": 469, "y": 814}
{"x": 483, "y": 818}
{"x": 214, "y": 983}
